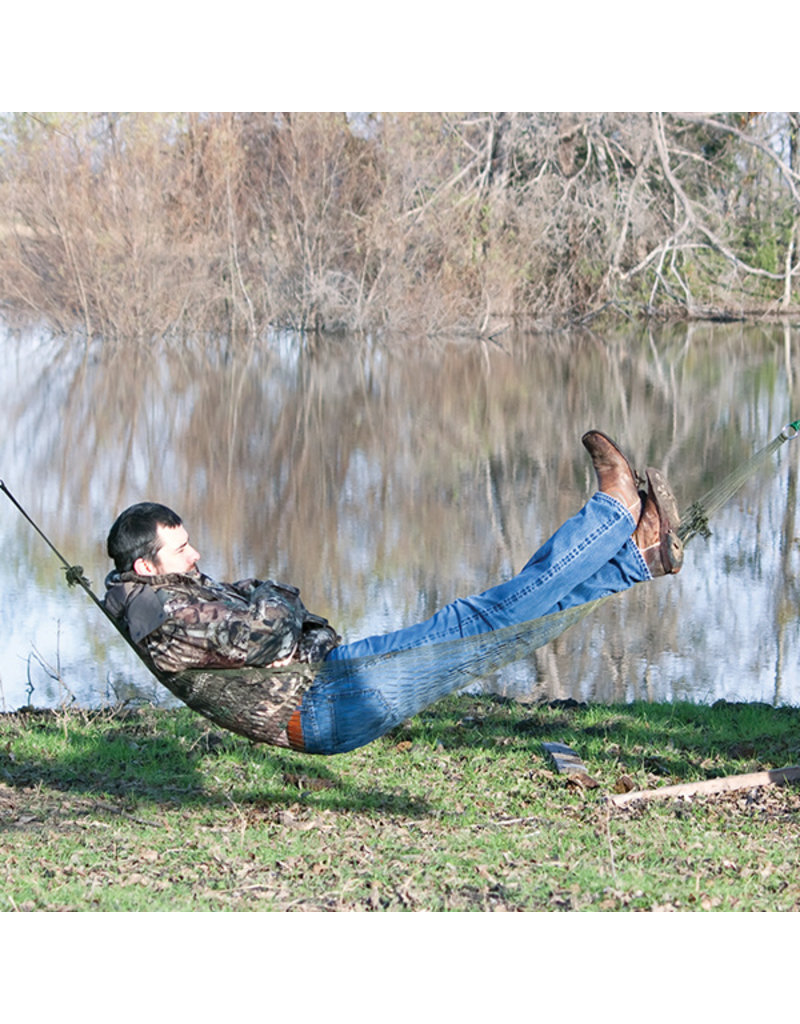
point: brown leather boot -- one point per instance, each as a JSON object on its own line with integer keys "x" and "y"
{"x": 656, "y": 536}
{"x": 615, "y": 476}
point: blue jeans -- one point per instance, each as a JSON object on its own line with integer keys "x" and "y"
{"x": 590, "y": 556}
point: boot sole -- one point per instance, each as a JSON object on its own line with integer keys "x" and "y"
{"x": 670, "y": 546}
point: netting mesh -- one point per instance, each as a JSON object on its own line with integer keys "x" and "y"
{"x": 258, "y": 702}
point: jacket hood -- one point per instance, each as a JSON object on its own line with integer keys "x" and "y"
{"x": 136, "y": 602}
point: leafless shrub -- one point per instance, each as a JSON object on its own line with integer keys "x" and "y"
{"x": 144, "y": 226}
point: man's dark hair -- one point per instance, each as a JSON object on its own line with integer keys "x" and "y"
{"x": 135, "y": 533}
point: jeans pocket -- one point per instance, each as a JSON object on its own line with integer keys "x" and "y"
{"x": 357, "y": 717}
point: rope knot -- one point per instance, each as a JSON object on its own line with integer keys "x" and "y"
{"x": 75, "y": 575}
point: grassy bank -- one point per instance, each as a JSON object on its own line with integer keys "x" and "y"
{"x": 460, "y": 809}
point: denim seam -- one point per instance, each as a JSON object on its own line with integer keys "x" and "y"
{"x": 309, "y": 717}
{"x": 564, "y": 562}
{"x": 642, "y": 564}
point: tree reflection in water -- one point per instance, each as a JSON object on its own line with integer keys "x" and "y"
{"x": 386, "y": 479}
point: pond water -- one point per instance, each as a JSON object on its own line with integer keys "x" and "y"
{"x": 386, "y": 479}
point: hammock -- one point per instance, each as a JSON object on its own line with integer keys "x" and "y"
{"x": 258, "y": 702}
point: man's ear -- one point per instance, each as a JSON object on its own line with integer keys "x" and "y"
{"x": 144, "y": 567}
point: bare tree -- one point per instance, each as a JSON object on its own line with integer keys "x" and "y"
{"x": 140, "y": 226}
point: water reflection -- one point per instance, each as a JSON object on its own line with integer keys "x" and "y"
{"x": 385, "y": 480}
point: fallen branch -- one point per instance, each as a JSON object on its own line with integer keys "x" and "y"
{"x": 723, "y": 785}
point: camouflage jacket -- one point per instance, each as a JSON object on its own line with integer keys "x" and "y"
{"x": 188, "y": 620}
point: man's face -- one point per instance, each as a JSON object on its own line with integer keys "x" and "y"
{"x": 176, "y": 554}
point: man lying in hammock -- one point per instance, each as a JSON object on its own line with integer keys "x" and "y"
{"x": 182, "y": 619}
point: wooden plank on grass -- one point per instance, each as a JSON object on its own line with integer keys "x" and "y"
{"x": 723, "y": 785}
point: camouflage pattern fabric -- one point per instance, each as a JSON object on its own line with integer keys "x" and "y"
{"x": 251, "y": 701}
{"x": 189, "y": 627}
{"x": 188, "y": 620}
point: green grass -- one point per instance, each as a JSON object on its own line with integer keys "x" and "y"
{"x": 459, "y": 809}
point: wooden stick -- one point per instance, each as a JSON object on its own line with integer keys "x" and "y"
{"x": 722, "y": 785}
